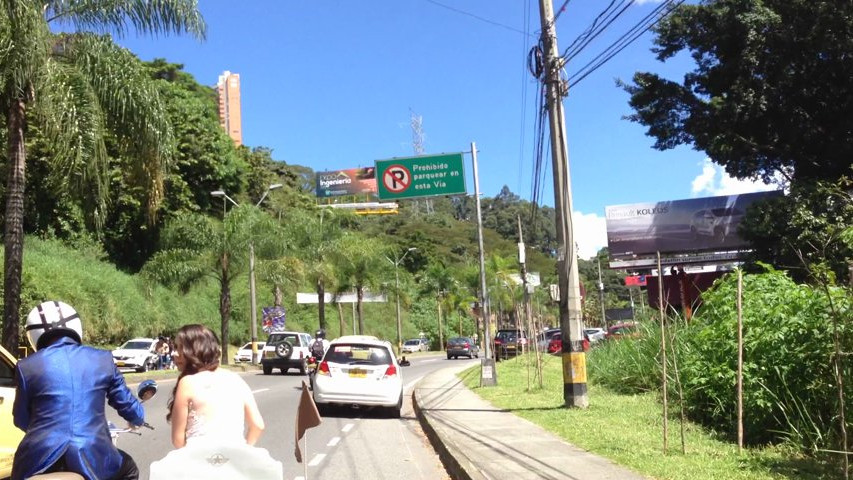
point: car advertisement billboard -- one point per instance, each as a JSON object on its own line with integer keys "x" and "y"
{"x": 353, "y": 181}
{"x": 679, "y": 226}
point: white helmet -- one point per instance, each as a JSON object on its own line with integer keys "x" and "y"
{"x": 50, "y": 320}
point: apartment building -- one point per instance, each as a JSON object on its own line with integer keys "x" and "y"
{"x": 228, "y": 95}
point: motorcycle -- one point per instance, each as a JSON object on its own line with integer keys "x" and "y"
{"x": 145, "y": 390}
{"x": 311, "y": 368}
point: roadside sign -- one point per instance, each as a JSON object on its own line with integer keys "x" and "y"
{"x": 423, "y": 176}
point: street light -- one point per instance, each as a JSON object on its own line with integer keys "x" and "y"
{"x": 397, "y": 283}
{"x": 254, "y": 305}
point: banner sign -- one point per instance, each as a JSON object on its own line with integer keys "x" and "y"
{"x": 273, "y": 319}
{"x": 679, "y": 226}
{"x": 635, "y": 281}
{"x": 303, "y": 298}
{"x": 346, "y": 182}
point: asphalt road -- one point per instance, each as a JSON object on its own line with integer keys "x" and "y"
{"x": 351, "y": 444}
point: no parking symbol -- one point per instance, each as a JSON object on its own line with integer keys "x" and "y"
{"x": 397, "y": 178}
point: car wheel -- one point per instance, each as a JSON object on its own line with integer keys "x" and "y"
{"x": 448, "y": 356}
{"x": 284, "y": 349}
{"x": 267, "y": 369}
{"x": 394, "y": 412}
{"x": 303, "y": 367}
{"x": 323, "y": 409}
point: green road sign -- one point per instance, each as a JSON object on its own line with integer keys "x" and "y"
{"x": 425, "y": 176}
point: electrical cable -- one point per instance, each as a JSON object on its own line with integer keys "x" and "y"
{"x": 588, "y": 29}
{"x": 622, "y": 42}
{"x": 478, "y": 17}
{"x": 523, "y": 127}
{"x": 611, "y": 18}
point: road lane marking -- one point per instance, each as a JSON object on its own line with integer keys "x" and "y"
{"x": 411, "y": 384}
{"x": 347, "y": 427}
{"x": 260, "y": 390}
{"x": 317, "y": 459}
{"x": 428, "y": 361}
{"x": 334, "y": 441}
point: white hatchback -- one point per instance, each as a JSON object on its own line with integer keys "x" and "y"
{"x": 244, "y": 354}
{"x": 359, "y": 371}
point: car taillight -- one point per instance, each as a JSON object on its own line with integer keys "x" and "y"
{"x": 391, "y": 371}
{"x": 467, "y": 345}
{"x": 323, "y": 369}
{"x": 497, "y": 341}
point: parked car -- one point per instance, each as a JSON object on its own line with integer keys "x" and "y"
{"x": 595, "y": 334}
{"x": 286, "y": 350}
{"x": 359, "y": 370}
{"x": 716, "y": 222}
{"x": 544, "y": 338}
{"x": 623, "y": 330}
{"x": 244, "y": 354}
{"x": 462, "y": 347}
{"x": 138, "y": 354}
{"x": 555, "y": 345}
{"x": 508, "y": 343}
{"x": 412, "y": 346}
{"x": 424, "y": 344}
{"x": 10, "y": 435}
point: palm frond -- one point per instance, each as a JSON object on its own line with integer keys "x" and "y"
{"x": 23, "y": 49}
{"x": 120, "y": 16}
{"x": 176, "y": 267}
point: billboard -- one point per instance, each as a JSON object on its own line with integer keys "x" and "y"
{"x": 353, "y": 181}
{"x": 273, "y": 319}
{"x": 679, "y": 226}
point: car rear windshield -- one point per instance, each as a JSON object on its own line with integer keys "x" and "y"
{"x": 357, "y": 354}
{"x": 136, "y": 346}
{"x": 291, "y": 338}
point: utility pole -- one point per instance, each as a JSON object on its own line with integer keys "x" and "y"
{"x": 573, "y": 357}
{"x": 488, "y": 374}
{"x": 601, "y": 297}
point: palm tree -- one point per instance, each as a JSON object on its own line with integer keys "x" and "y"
{"x": 361, "y": 264}
{"x": 196, "y": 247}
{"x": 77, "y": 87}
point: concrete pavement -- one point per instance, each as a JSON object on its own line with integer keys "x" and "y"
{"x": 477, "y": 441}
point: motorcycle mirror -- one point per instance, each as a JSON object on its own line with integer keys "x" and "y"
{"x": 146, "y": 390}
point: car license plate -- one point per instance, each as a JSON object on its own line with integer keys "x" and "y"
{"x": 119, "y": 364}
{"x": 357, "y": 373}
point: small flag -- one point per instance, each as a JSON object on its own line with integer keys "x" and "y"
{"x": 307, "y": 417}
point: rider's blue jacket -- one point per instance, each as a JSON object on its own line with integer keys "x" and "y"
{"x": 60, "y": 405}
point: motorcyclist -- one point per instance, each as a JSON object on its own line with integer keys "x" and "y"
{"x": 319, "y": 341}
{"x": 61, "y": 391}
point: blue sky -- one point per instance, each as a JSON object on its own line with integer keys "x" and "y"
{"x": 332, "y": 85}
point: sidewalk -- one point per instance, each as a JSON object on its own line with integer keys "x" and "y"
{"x": 477, "y": 441}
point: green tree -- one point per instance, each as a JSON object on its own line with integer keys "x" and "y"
{"x": 196, "y": 247}
{"x": 361, "y": 264}
{"x": 770, "y": 94}
{"x": 78, "y": 86}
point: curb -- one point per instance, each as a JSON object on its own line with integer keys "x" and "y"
{"x": 457, "y": 464}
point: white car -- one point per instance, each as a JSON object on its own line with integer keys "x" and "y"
{"x": 245, "y": 352}
{"x": 286, "y": 350}
{"x": 362, "y": 371}
{"x": 138, "y": 354}
{"x": 595, "y": 334}
{"x": 412, "y": 346}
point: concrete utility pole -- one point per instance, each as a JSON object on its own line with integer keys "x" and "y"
{"x": 601, "y": 298}
{"x": 488, "y": 374}
{"x": 571, "y": 318}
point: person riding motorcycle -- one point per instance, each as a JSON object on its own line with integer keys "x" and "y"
{"x": 320, "y": 344}
{"x": 61, "y": 392}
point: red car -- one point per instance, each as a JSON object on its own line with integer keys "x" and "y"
{"x": 623, "y": 330}
{"x": 555, "y": 346}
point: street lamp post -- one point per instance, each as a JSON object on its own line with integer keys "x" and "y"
{"x": 397, "y": 263}
{"x": 252, "y": 299}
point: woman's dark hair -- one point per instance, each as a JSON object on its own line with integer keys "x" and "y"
{"x": 199, "y": 348}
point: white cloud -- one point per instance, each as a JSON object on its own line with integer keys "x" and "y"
{"x": 715, "y": 181}
{"x": 590, "y": 232}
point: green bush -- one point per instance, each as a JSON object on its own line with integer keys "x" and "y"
{"x": 789, "y": 387}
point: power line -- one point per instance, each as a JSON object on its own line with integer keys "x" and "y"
{"x": 486, "y": 20}
{"x": 610, "y": 18}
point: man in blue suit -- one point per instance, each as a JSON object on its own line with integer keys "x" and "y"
{"x": 60, "y": 397}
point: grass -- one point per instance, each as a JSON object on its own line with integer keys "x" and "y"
{"x": 628, "y": 430}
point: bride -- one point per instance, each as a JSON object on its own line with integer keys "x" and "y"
{"x": 215, "y": 419}
{"x": 207, "y": 400}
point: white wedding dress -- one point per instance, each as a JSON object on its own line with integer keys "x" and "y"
{"x": 216, "y": 448}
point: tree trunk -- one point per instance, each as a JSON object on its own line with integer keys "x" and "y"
{"x": 340, "y": 320}
{"x": 224, "y": 308}
{"x": 276, "y": 295}
{"x": 14, "y": 226}
{"x": 321, "y": 303}
{"x": 360, "y": 295}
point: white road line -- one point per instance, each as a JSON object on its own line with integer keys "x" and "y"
{"x": 334, "y": 441}
{"x": 317, "y": 459}
{"x": 428, "y": 361}
{"x": 411, "y": 384}
{"x": 347, "y": 427}
{"x": 260, "y": 390}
